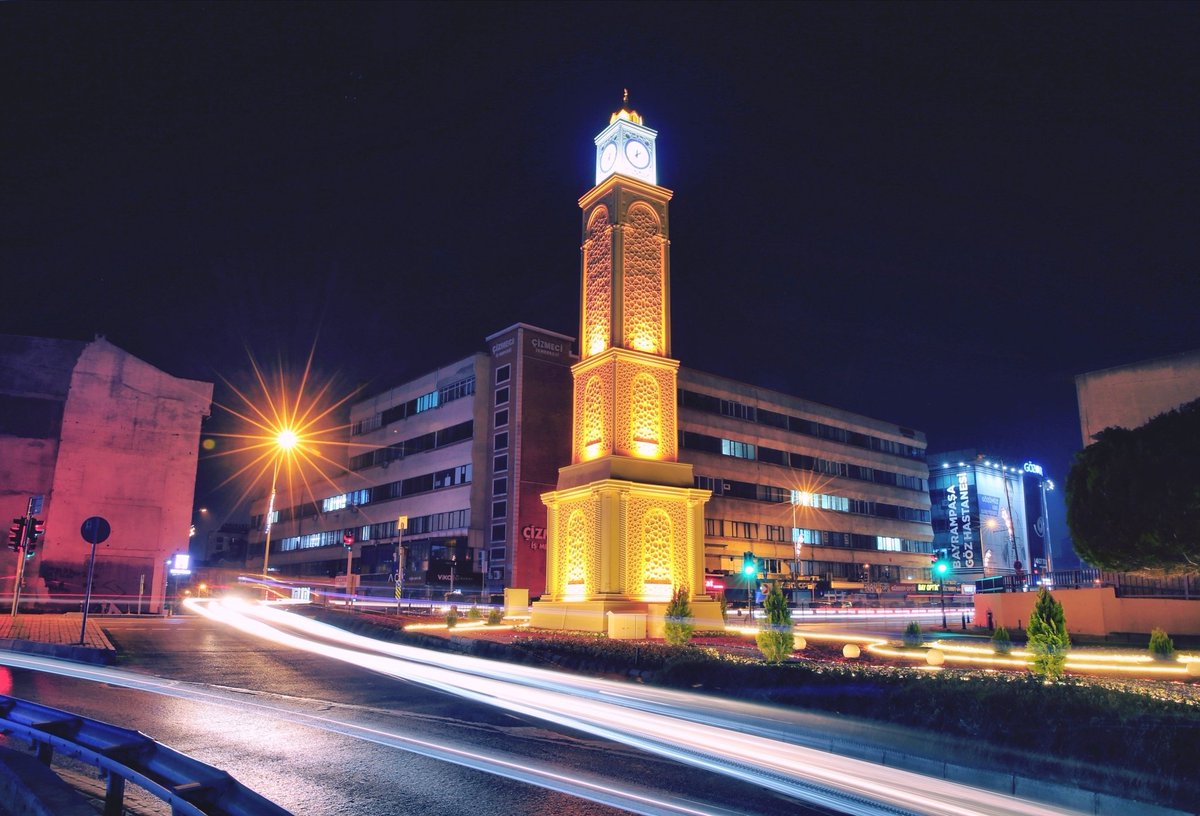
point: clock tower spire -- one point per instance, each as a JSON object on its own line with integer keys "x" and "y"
{"x": 625, "y": 526}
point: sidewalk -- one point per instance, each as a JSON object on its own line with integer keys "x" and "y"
{"x": 57, "y": 636}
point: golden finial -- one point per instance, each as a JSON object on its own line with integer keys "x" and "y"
{"x": 627, "y": 113}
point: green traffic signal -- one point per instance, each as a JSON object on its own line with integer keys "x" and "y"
{"x": 749, "y": 565}
{"x": 941, "y": 568}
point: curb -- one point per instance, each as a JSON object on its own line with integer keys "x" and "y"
{"x": 81, "y": 654}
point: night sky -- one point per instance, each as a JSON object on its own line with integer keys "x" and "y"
{"x": 935, "y": 215}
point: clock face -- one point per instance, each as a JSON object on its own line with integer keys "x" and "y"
{"x": 638, "y": 153}
{"x": 607, "y": 157}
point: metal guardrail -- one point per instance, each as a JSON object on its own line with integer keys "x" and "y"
{"x": 189, "y": 786}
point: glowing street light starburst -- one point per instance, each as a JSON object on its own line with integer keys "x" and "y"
{"x": 287, "y": 428}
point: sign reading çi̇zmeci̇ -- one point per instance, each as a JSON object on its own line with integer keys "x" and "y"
{"x": 962, "y": 523}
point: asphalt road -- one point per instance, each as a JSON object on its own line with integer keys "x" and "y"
{"x": 261, "y": 690}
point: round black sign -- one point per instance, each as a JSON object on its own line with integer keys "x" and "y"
{"x": 95, "y": 530}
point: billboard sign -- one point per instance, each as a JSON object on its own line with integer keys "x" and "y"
{"x": 961, "y": 505}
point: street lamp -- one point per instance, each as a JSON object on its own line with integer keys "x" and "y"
{"x": 798, "y": 497}
{"x": 285, "y": 440}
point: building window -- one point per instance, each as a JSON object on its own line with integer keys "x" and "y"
{"x": 427, "y": 401}
{"x": 499, "y": 487}
{"x": 501, "y": 441}
{"x": 500, "y": 463}
{"x": 887, "y": 543}
{"x": 501, "y": 396}
{"x": 741, "y": 450}
{"x": 776, "y": 533}
{"x": 712, "y": 527}
{"x": 503, "y": 373}
{"x": 741, "y": 529}
{"x": 501, "y": 418}
{"x": 498, "y": 532}
{"x": 499, "y": 509}
{"x": 455, "y": 390}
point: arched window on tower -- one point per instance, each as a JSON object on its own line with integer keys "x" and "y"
{"x": 645, "y": 416}
{"x": 644, "y": 308}
{"x": 597, "y": 283}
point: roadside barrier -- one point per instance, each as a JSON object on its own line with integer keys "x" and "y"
{"x": 189, "y": 786}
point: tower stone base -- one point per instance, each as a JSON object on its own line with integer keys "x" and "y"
{"x": 593, "y": 615}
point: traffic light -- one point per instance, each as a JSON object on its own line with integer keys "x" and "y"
{"x": 16, "y": 534}
{"x": 941, "y": 564}
{"x": 37, "y": 529}
{"x": 348, "y": 541}
{"x": 749, "y": 564}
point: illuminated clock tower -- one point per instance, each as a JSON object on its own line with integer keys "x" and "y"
{"x": 625, "y": 527}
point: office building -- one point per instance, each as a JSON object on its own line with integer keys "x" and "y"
{"x": 990, "y": 517}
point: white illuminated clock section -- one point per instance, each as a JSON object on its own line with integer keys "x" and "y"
{"x": 608, "y": 157}
{"x": 637, "y": 153}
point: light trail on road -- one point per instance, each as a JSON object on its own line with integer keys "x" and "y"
{"x": 663, "y": 725}
{"x": 603, "y": 791}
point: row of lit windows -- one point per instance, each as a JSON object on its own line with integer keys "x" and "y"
{"x": 325, "y": 538}
{"x": 414, "y": 485}
{"x": 779, "y": 534}
{"x": 820, "y": 501}
{"x": 417, "y": 444}
{"x": 420, "y": 525}
{"x": 808, "y": 427}
{"x": 799, "y": 461}
{"x": 447, "y": 393}
{"x": 344, "y": 500}
{"x": 417, "y": 525}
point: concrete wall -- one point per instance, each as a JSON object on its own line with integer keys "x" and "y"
{"x": 127, "y": 452}
{"x": 1131, "y": 395}
{"x": 1094, "y": 611}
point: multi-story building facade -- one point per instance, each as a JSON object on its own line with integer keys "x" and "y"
{"x": 444, "y": 471}
{"x": 823, "y": 498}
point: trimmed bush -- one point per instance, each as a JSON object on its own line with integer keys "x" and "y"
{"x": 912, "y": 634}
{"x": 1047, "y": 637}
{"x": 473, "y": 613}
{"x": 1001, "y": 642}
{"x": 723, "y": 602}
{"x": 452, "y": 617}
{"x": 1161, "y": 645}
{"x": 495, "y": 616}
{"x": 776, "y": 639}
{"x": 679, "y": 625}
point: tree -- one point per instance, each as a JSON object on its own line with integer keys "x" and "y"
{"x": 1001, "y": 642}
{"x": 1161, "y": 645}
{"x": 1047, "y": 636}
{"x": 775, "y": 637}
{"x": 1133, "y": 496}
{"x": 679, "y": 627}
{"x": 912, "y": 634}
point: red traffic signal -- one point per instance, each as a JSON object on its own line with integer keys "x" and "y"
{"x": 16, "y": 534}
{"x": 348, "y": 540}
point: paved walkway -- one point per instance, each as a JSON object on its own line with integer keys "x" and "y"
{"x": 59, "y": 630}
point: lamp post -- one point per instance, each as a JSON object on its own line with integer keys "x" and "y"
{"x": 285, "y": 440}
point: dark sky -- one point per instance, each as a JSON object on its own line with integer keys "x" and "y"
{"x": 935, "y": 215}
